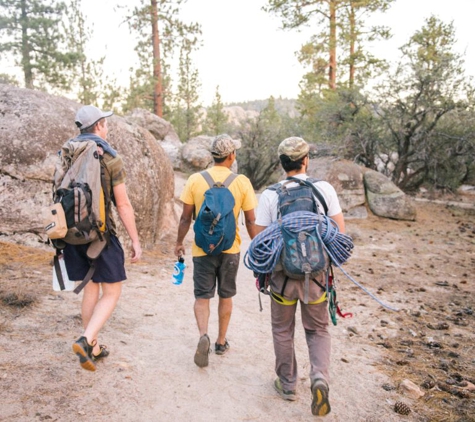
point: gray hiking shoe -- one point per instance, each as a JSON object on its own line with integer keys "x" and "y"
{"x": 202, "y": 351}
{"x": 320, "y": 393}
{"x": 285, "y": 394}
{"x": 83, "y": 351}
{"x": 221, "y": 349}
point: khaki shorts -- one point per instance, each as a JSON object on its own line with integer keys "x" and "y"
{"x": 211, "y": 271}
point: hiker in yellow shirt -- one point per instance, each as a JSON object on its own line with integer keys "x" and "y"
{"x": 215, "y": 272}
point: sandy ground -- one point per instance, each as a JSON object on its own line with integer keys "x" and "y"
{"x": 425, "y": 268}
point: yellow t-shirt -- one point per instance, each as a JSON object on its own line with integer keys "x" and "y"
{"x": 241, "y": 188}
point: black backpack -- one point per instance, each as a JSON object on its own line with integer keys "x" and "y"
{"x": 298, "y": 198}
{"x": 303, "y": 255}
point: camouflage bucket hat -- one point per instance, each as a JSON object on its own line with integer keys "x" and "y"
{"x": 223, "y": 145}
{"x": 294, "y": 148}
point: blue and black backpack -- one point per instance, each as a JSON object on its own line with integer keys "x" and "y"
{"x": 303, "y": 255}
{"x": 215, "y": 225}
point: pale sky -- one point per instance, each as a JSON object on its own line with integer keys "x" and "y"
{"x": 250, "y": 58}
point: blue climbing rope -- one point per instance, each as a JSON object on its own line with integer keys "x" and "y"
{"x": 265, "y": 249}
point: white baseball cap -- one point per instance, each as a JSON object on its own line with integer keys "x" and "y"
{"x": 90, "y": 115}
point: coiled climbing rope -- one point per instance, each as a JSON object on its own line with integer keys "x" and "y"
{"x": 265, "y": 249}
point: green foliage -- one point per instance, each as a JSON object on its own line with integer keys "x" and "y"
{"x": 8, "y": 79}
{"x": 338, "y": 42}
{"x": 216, "y": 121}
{"x": 260, "y": 137}
{"x": 354, "y": 34}
{"x": 88, "y": 80}
{"x": 450, "y": 152}
{"x": 33, "y": 35}
{"x": 185, "y": 110}
{"x": 428, "y": 85}
{"x": 158, "y": 37}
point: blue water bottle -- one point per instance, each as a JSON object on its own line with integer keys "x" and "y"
{"x": 179, "y": 271}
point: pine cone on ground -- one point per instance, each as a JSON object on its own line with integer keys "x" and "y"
{"x": 428, "y": 384}
{"x": 402, "y": 408}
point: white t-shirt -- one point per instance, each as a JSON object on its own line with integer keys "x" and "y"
{"x": 268, "y": 202}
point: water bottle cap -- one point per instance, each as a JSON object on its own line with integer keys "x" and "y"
{"x": 181, "y": 259}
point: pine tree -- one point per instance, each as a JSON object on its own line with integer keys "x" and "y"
{"x": 87, "y": 74}
{"x": 185, "y": 112}
{"x": 260, "y": 137}
{"x": 338, "y": 24}
{"x": 216, "y": 121}
{"x": 160, "y": 32}
{"x": 32, "y": 34}
{"x": 428, "y": 85}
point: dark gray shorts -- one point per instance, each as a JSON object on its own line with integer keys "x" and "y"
{"x": 109, "y": 266}
{"x": 211, "y": 270}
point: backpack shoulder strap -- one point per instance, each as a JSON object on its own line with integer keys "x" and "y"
{"x": 229, "y": 180}
{"x": 313, "y": 179}
{"x": 208, "y": 178}
{"x": 309, "y": 182}
{"x": 212, "y": 183}
{"x": 274, "y": 187}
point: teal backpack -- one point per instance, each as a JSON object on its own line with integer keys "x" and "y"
{"x": 215, "y": 225}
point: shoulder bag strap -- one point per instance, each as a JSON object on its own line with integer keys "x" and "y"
{"x": 208, "y": 178}
{"x": 229, "y": 180}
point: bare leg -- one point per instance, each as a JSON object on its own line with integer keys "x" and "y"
{"x": 202, "y": 315}
{"x": 89, "y": 301}
{"x": 225, "y": 308}
{"x": 101, "y": 311}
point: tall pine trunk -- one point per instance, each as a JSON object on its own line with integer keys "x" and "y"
{"x": 25, "y": 47}
{"x": 157, "y": 70}
{"x": 352, "y": 45}
{"x": 332, "y": 42}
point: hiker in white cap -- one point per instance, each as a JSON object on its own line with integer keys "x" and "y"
{"x": 109, "y": 270}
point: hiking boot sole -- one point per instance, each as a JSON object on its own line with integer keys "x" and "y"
{"x": 84, "y": 360}
{"x": 320, "y": 402}
{"x": 202, "y": 352}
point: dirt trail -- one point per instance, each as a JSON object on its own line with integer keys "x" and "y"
{"x": 150, "y": 374}
{"x": 152, "y": 336}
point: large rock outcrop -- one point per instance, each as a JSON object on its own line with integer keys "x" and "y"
{"x": 163, "y": 131}
{"x": 196, "y": 154}
{"x": 347, "y": 179}
{"x": 385, "y": 199}
{"x": 33, "y": 126}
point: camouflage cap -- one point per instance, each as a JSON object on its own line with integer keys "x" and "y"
{"x": 294, "y": 148}
{"x": 223, "y": 145}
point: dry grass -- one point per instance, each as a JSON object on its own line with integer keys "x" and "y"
{"x": 20, "y": 270}
{"x": 21, "y": 300}
{"x": 11, "y": 253}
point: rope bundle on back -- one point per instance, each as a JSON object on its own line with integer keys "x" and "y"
{"x": 265, "y": 249}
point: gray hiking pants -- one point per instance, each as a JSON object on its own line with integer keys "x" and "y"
{"x": 315, "y": 323}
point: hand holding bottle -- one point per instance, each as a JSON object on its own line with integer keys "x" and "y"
{"x": 179, "y": 271}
